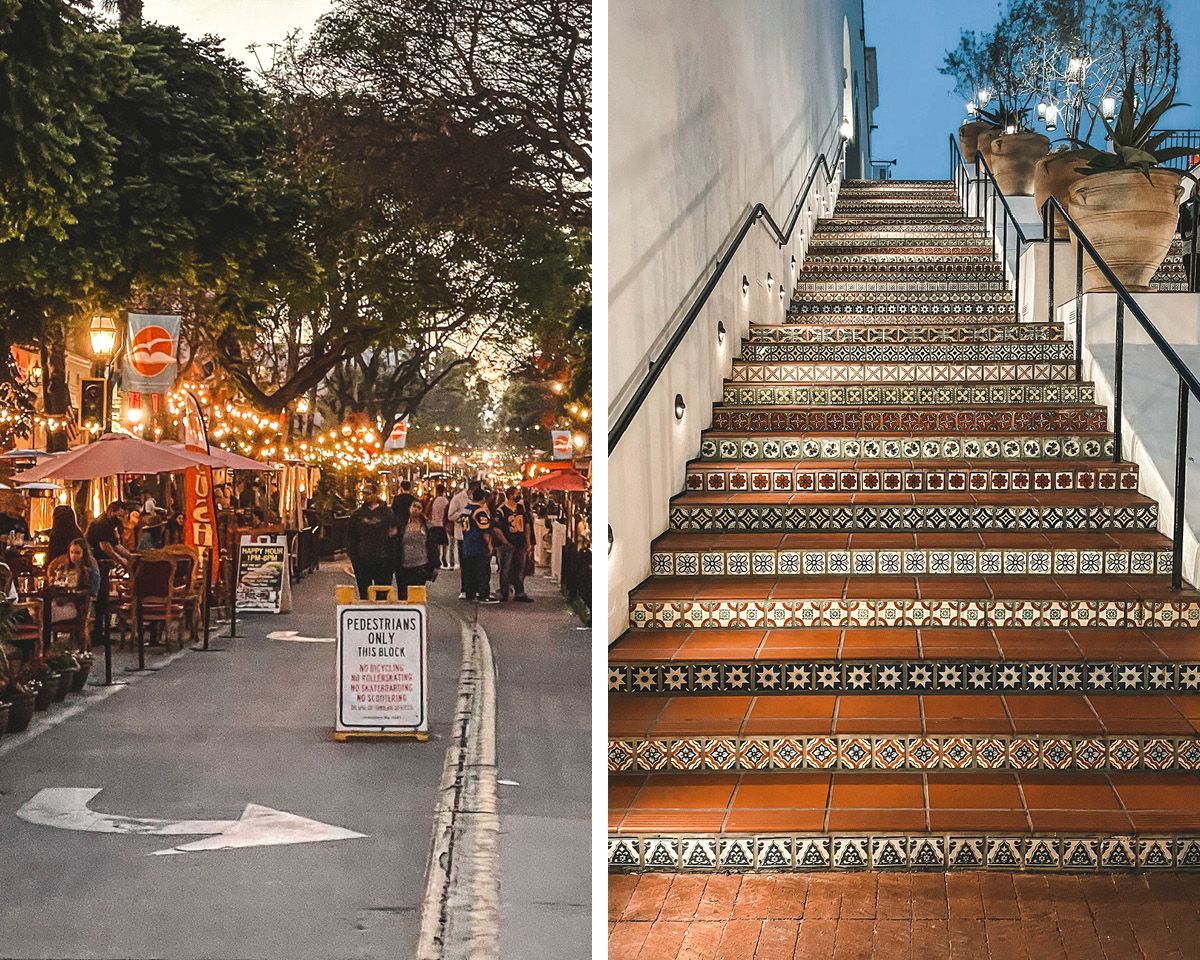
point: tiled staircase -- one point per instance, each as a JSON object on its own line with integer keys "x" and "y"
{"x": 909, "y": 614}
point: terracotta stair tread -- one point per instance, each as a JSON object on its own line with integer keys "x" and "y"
{"x": 943, "y": 715}
{"x": 1008, "y": 803}
{"x": 993, "y": 644}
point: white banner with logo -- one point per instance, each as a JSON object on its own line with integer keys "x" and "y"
{"x": 151, "y": 351}
{"x": 560, "y": 441}
{"x": 398, "y": 438}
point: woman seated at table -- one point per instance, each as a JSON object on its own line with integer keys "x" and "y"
{"x": 75, "y": 570}
{"x": 64, "y": 529}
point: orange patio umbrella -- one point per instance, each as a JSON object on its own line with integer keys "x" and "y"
{"x": 559, "y": 480}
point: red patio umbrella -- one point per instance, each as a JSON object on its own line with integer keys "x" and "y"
{"x": 559, "y": 480}
{"x": 112, "y": 454}
{"x": 224, "y": 459}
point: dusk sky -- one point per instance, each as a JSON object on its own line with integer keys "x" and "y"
{"x": 917, "y": 109}
{"x": 239, "y": 22}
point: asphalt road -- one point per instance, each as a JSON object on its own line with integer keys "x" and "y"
{"x": 200, "y": 739}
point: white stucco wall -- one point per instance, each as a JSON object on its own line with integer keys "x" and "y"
{"x": 713, "y": 106}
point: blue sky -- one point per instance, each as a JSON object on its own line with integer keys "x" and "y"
{"x": 917, "y": 110}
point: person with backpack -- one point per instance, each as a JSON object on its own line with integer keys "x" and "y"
{"x": 476, "y": 549}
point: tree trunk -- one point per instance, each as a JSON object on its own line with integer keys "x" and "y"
{"x": 56, "y": 399}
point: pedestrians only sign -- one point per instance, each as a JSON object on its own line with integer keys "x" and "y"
{"x": 382, "y": 670}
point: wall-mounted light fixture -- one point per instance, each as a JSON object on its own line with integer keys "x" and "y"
{"x": 781, "y": 291}
{"x": 846, "y": 129}
{"x": 745, "y": 285}
{"x": 793, "y": 258}
{"x": 680, "y": 406}
{"x": 720, "y": 332}
{"x": 770, "y": 281}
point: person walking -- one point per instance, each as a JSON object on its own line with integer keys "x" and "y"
{"x": 418, "y": 552}
{"x": 371, "y": 542}
{"x": 455, "y": 513}
{"x": 476, "y": 549}
{"x": 438, "y": 531}
{"x": 512, "y": 523}
{"x": 402, "y": 502}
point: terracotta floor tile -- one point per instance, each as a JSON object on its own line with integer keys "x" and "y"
{"x": 1079, "y": 821}
{"x": 984, "y": 791}
{"x": 667, "y": 821}
{"x": 633, "y": 716}
{"x": 978, "y": 821}
{"x": 818, "y": 643}
{"x": 1166, "y": 791}
{"x": 790, "y": 790}
{"x": 877, "y": 791}
{"x": 1068, "y": 792}
{"x": 879, "y": 642}
{"x": 687, "y": 792}
{"x": 782, "y": 821}
{"x": 715, "y": 716}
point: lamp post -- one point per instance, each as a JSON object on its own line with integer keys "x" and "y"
{"x": 102, "y": 336}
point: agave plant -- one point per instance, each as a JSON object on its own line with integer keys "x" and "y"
{"x": 1135, "y": 145}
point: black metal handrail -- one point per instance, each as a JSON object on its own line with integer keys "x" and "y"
{"x": 782, "y": 237}
{"x": 987, "y": 186}
{"x": 1188, "y": 381}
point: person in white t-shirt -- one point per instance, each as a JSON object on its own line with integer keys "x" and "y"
{"x": 456, "y": 510}
{"x": 439, "y": 531}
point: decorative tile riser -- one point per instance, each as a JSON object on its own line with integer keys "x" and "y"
{"x": 904, "y": 333}
{"x": 915, "y": 562}
{"x": 856, "y": 752}
{"x": 892, "y": 262}
{"x": 949, "y": 244}
{"x": 968, "y": 420}
{"x": 783, "y": 678}
{"x": 932, "y": 478}
{"x": 911, "y": 394}
{"x": 907, "y": 352}
{"x": 878, "y": 298}
{"x": 815, "y": 286}
{"x": 1040, "y": 852}
{"x": 869, "y": 229}
{"x": 904, "y": 448}
{"x": 918, "y": 317}
{"x": 918, "y": 517}
{"x": 932, "y": 612}
{"x": 745, "y": 372}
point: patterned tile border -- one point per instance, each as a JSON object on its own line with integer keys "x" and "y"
{"x": 824, "y": 244}
{"x": 866, "y": 677}
{"x": 1064, "y": 447}
{"x": 744, "y": 372}
{"x": 810, "y": 284}
{"x": 890, "y": 261}
{"x": 961, "y": 562}
{"x": 1068, "y": 477}
{"x": 1041, "y": 419}
{"x": 945, "y": 226}
{"x": 913, "y": 851}
{"x": 912, "y": 394}
{"x": 1019, "y": 352}
{"x": 905, "y": 334}
{"x": 880, "y": 301}
{"x": 891, "y": 752}
{"x": 889, "y": 518}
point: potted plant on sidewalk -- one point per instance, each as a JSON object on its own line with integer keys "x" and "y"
{"x": 1127, "y": 203}
{"x": 16, "y": 699}
{"x": 67, "y": 667}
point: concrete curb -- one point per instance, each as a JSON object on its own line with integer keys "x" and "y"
{"x": 460, "y": 909}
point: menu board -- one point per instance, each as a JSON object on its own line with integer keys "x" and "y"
{"x": 262, "y": 582}
{"x": 382, "y": 669}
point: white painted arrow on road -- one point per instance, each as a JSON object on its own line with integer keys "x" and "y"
{"x": 67, "y": 809}
{"x": 295, "y": 637}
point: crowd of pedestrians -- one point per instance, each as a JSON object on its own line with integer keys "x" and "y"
{"x": 410, "y": 541}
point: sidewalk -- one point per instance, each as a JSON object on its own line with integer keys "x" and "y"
{"x": 543, "y": 725}
{"x": 199, "y": 740}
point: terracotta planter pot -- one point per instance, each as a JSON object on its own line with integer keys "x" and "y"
{"x": 1129, "y": 220}
{"x": 1012, "y": 157}
{"x": 1053, "y": 176}
{"x": 983, "y": 142}
{"x": 968, "y": 137}
{"x": 20, "y": 712}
